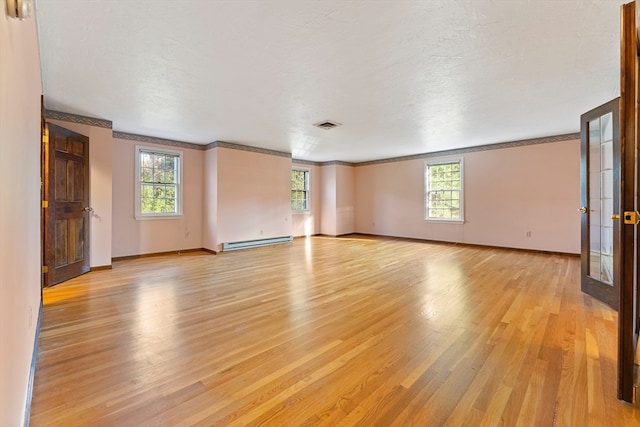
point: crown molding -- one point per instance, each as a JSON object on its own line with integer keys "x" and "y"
{"x": 233, "y": 146}
{"x": 76, "y": 118}
{"x": 158, "y": 141}
{"x": 92, "y": 121}
{"x": 338, "y": 162}
{"x": 306, "y": 162}
{"x": 488, "y": 147}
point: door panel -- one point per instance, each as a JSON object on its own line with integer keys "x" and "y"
{"x": 67, "y": 188}
{"x": 61, "y": 244}
{"x": 600, "y": 170}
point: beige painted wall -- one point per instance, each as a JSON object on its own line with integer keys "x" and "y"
{"x": 100, "y": 188}
{"x": 210, "y": 200}
{"x": 135, "y": 237}
{"x": 254, "y": 196}
{"x": 20, "y": 91}
{"x": 338, "y": 200}
{"x": 308, "y": 223}
{"x": 328, "y": 199}
{"x": 508, "y": 192}
{"x": 345, "y": 199}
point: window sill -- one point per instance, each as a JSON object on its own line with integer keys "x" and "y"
{"x": 155, "y": 217}
{"x": 301, "y": 212}
{"x": 444, "y": 221}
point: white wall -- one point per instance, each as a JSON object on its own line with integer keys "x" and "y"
{"x": 308, "y": 223}
{"x": 136, "y": 237}
{"x": 20, "y": 91}
{"x": 508, "y": 192}
{"x": 100, "y": 189}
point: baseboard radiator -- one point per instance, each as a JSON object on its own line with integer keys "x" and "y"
{"x": 234, "y": 246}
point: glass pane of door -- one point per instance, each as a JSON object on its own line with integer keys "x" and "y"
{"x": 600, "y": 202}
{"x": 601, "y": 198}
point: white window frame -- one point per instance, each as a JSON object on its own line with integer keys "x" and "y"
{"x": 139, "y": 215}
{"x": 308, "y": 190}
{"x": 427, "y": 165}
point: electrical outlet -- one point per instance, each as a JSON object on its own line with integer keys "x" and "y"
{"x": 528, "y": 234}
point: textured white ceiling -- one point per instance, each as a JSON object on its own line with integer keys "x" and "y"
{"x": 404, "y": 77}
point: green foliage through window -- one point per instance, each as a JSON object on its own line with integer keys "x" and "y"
{"x": 159, "y": 182}
{"x": 443, "y": 187}
{"x": 299, "y": 189}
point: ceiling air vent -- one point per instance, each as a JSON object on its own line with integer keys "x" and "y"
{"x": 327, "y": 124}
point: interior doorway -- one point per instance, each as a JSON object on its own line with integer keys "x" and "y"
{"x": 66, "y": 209}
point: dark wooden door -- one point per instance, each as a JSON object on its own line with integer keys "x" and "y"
{"x": 600, "y": 198}
{"x": 628, "y": 322}
{"x": 66, "y": 182}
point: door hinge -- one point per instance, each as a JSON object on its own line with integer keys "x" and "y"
{"x": 45, "y": 204}
{"x": 45, "y": 269}
{"x": 45, "y": 135}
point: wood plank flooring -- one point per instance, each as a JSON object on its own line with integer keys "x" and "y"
{"x": 354, "y": 331}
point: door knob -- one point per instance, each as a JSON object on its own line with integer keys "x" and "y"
{"x": 87, "y": 209}
{"x": 631, "y": 217}
{"x": 583, "y": 210}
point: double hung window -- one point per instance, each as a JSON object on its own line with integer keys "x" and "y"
{"x": 158, "y": 183}
{"x": 299, "y": 190}
{"x": 444, "y": 191}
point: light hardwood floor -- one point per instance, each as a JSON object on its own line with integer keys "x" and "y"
{"x": 323, "y": 331}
